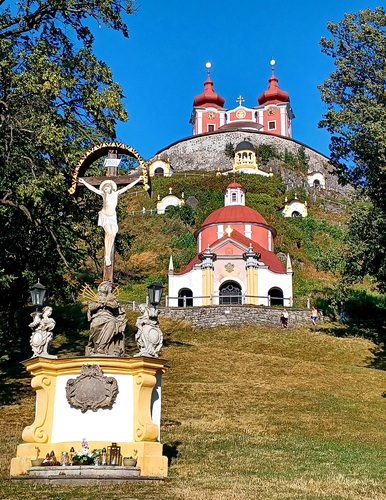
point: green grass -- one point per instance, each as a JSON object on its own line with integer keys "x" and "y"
{"x": 251, "y": 413}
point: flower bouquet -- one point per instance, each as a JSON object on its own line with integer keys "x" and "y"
{"x": 85, "y": 456}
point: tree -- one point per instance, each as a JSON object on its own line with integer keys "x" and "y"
{"x": 355, "y": 95}
{"x": 56, "y": 99}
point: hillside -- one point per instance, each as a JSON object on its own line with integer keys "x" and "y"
{"x": 247, "y": 413}
{"x": 146, "y": 241}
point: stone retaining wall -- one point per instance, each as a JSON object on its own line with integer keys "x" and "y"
{"x": 210, "y": 317}
{"x": 206, "y": 152}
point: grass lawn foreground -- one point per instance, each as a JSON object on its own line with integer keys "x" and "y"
{"x": 248, "y": 413}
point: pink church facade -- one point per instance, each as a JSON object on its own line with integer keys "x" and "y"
{"x": 235, "y": 261}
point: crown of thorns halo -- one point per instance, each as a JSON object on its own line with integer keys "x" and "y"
{"x": 108, "y": 181}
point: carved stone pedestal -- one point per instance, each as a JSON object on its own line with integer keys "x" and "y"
{"x": 101, "y": 399}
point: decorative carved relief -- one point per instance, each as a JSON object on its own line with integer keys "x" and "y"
{"x": 229, "y": 268}
{"x": 91, "y": 390}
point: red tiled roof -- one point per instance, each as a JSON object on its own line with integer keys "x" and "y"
{"x": 273, "y": 94}
{"x": 234, "y": 213}
{"x": 235, "y": 185}
{"x": 268, "y": 258}
{"x": 209, "y": 97}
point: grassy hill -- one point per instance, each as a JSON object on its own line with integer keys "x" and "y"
{"x": 145, "y": 242}
{"x": 248, "y": 413}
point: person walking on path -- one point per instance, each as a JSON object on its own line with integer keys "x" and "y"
{"x": 284, "y": 318}
{"x": 342, "y": 313}
{"x": 314, "y": 315}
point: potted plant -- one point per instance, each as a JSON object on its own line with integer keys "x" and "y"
{"x": 129, "y": 461}
{"x": 37, "y": 462}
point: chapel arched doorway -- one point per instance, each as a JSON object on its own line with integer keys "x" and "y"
{"x": 185, "y": 297}
{"x": 276, "y": 297}
{"x": 230, "y": 293}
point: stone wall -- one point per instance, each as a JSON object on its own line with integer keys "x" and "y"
{"x": 210, "y": 317}
{"x": 207, "y": 152}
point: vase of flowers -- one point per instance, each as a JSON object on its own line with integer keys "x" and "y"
{"x": 85, "y": 456}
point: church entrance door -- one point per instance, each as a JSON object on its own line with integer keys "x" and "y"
{"x": 230, "y": 293}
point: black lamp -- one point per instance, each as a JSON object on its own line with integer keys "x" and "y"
{"x": 38, "y": 292}
{"x": 155, "y": 292}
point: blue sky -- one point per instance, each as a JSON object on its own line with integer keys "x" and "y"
{"x": 161, "y": 66}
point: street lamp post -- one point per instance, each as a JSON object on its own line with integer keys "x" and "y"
{"x": 38, "y": 292}
{"x": 154, "y": 291}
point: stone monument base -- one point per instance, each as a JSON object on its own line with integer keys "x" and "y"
{"x": 74, "y": 401}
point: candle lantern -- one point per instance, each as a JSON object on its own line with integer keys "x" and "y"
{"x": 113, "y": 454}
{"x": 104, "y": 457}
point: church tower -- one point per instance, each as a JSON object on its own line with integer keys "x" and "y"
{"x": 208, "y": 113}
{"x": 274, "y": 110}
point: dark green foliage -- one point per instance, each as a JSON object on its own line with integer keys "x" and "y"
{"x": 303, "y": 159}
{"x": 355, "y": 97}
{"x": 297, "y": 161}
{"x": 229, "y": 150}
{"x": 56, "y": 99}
{"x": 367, "y": 243}
{"x": 266, "y": 152}
{"x": 289, "y": 158}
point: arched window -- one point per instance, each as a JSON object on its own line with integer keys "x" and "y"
{"x": 159, "y": 172}
{"x": 316, "y": 183}
{"x": 295, "y": 214}
{"x": 185, "y": 297}
{"x": 276, "y": 296}
{"x": 230, "y": 293}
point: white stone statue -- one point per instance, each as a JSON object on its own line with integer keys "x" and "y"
{"x": 107, "y": 323}
{"x": 149, "y": 336}
{"x": 42, "y": 326}
{"x": 108, "y": 216}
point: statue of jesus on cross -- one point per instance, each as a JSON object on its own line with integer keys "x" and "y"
{"x": 108, "y": 215}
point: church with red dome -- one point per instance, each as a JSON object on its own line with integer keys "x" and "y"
{"x": 235, "y": 261}
{"x": 273, "y": 114}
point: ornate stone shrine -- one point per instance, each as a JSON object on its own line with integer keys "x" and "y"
{"x": 104, "y": 399}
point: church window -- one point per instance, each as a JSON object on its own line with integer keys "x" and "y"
{"x": 234, "y": 197}
{"x": 210, "y": 128}
{"x": 159, "y": 172}
{"x": 271, "y": 125}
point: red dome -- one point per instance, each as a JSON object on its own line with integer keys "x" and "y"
{"x": 234, "y": 213}
{"x": 209, "y": 97}
{"x": 235, "y": 185}
{"x": 273, "y": 94}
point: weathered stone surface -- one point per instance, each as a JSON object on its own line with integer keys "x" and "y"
{"x": 207, "y": 152}
{"x": 210, "y": 317}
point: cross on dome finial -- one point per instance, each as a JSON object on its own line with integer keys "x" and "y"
{"x": 272, "y": 62}
{"x": 240, "y": 100}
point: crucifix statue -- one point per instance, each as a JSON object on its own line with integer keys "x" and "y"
{"x": 106, "y": 186}
{"x": 108, "y": 215}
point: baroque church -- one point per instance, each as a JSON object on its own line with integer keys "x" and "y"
{"x": 235, "y": 261}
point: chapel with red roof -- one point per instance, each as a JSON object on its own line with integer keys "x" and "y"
{"x": 235, "y": 261}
